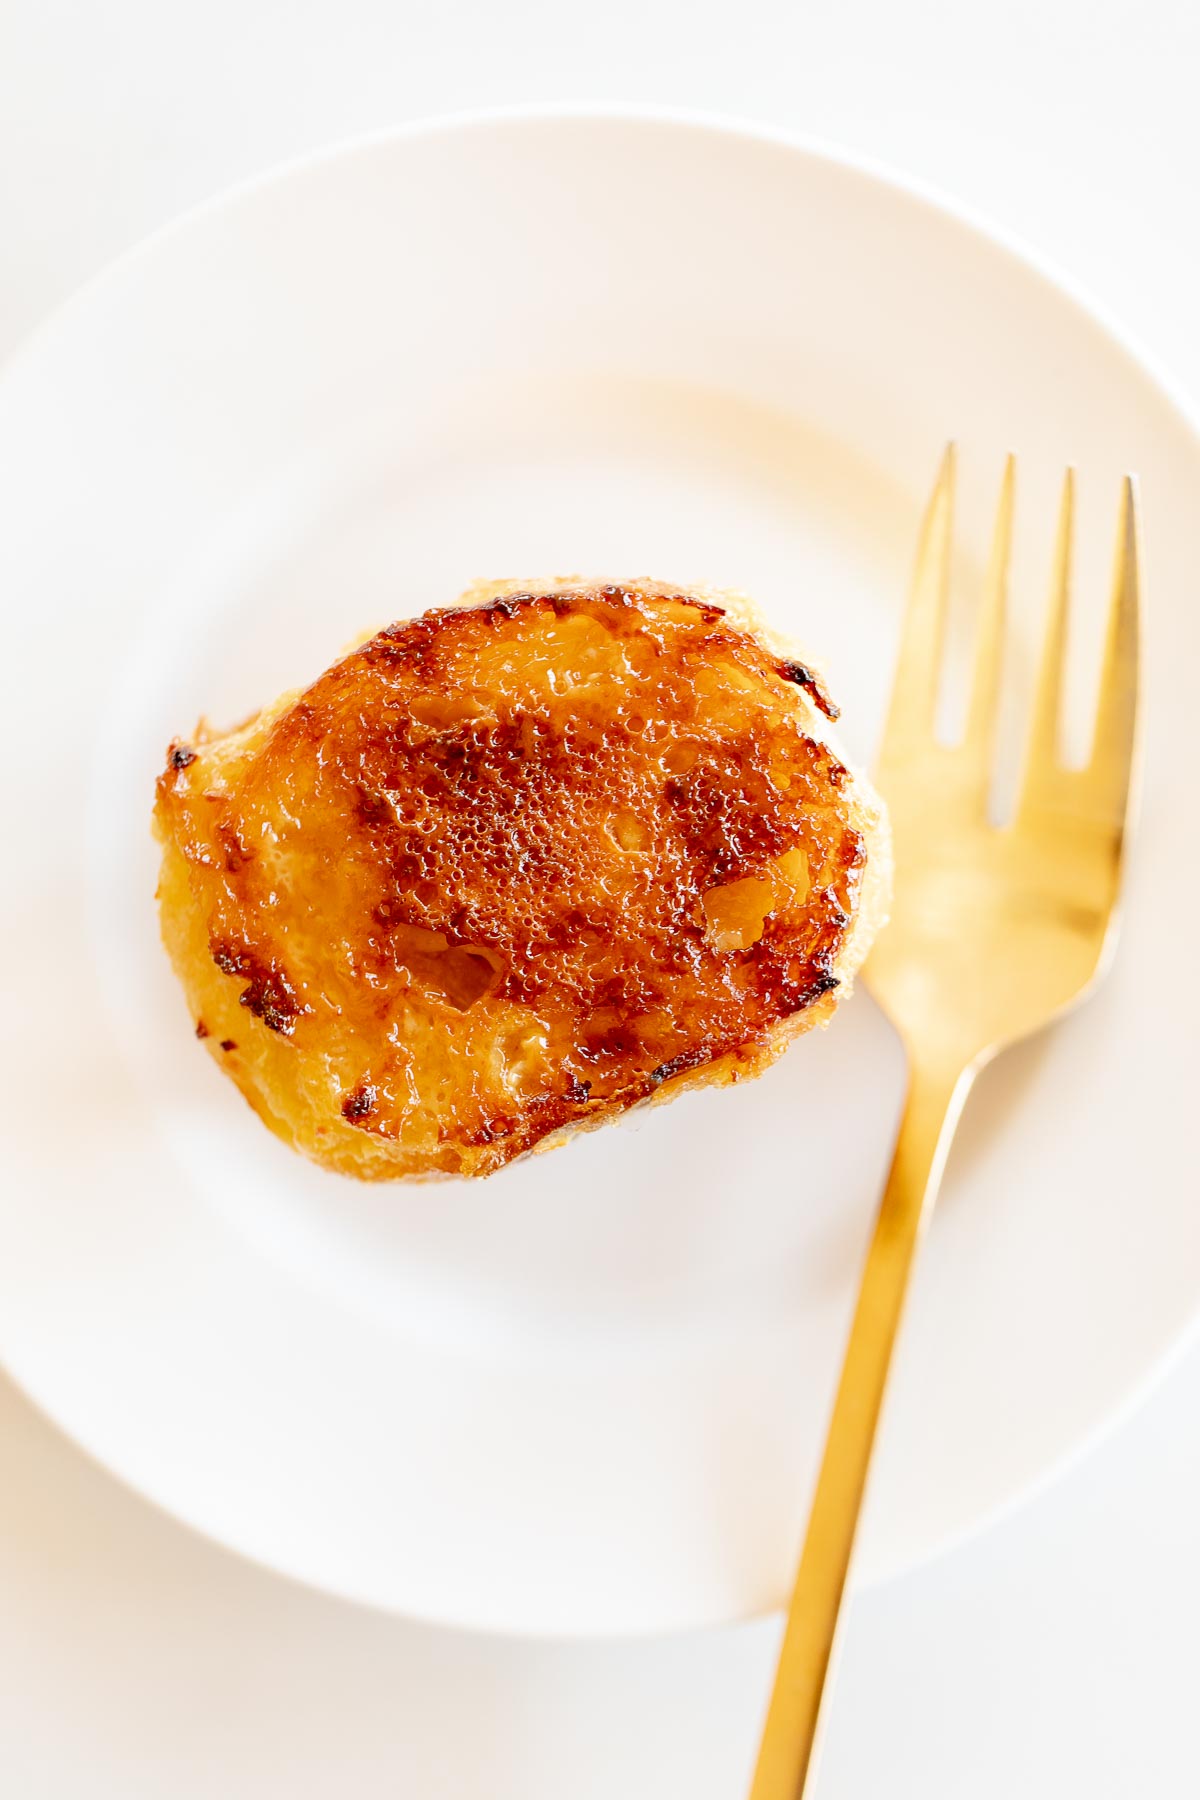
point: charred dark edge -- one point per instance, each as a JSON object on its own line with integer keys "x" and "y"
{"x": 359, "y": 1104}
{"x": 552, "y": 1111}
{"x": 269, "y": 995}
{"x": 804, "y": 678}
{"x": 558, "y": 600}
{"x": 821, "y": 984}
{"x": 545, "y": 1114}
{"x": 679, "y": 1065}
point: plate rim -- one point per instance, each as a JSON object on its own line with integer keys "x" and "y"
{"x": 814, "y": 145}
{"x": 819, "y": 150}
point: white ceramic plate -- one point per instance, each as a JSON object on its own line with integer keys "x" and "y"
{"x": 586, "y": 1396}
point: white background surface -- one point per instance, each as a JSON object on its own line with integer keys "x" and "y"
{"x": 1057, "y": 1656}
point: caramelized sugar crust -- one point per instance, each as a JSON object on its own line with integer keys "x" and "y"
{"x": 507, "y": 869}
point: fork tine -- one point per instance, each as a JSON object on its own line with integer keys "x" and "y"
{"x": 1041, "y": 756}
{"x": 915, "y": 684}
{"x": 989, "y": 651}
{"x": 1107, "y": 776}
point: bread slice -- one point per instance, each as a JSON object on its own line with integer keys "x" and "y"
{"x": 506, "y": 870}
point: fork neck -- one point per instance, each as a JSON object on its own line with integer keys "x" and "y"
{"x": 937, "y": 1092}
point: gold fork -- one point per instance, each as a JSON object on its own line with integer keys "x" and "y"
{"x": 994, "y": 932}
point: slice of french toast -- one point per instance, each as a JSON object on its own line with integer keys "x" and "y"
{"x": 508, "y": 869}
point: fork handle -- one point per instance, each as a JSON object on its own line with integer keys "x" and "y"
{"x": 787, "y": 1754}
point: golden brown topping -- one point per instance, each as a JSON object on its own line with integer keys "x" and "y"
{"x": 510, "y": 866}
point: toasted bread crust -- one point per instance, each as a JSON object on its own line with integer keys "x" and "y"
{"x": 508, "y": 869}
